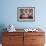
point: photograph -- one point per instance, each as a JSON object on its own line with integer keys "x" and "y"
{"x": 25, "y": 13}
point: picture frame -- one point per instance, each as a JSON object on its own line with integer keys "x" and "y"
{"x": 26, "y": 14}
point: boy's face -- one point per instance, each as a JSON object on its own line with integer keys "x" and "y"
{"x": 26, "y": 11}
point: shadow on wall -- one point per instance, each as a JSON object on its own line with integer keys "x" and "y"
{"x": 2, "y": 26}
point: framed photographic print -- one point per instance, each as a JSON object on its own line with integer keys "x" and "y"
{"x": 26, "y": 14}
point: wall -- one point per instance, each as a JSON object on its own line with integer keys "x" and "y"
{"x": 9, "y": 13}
